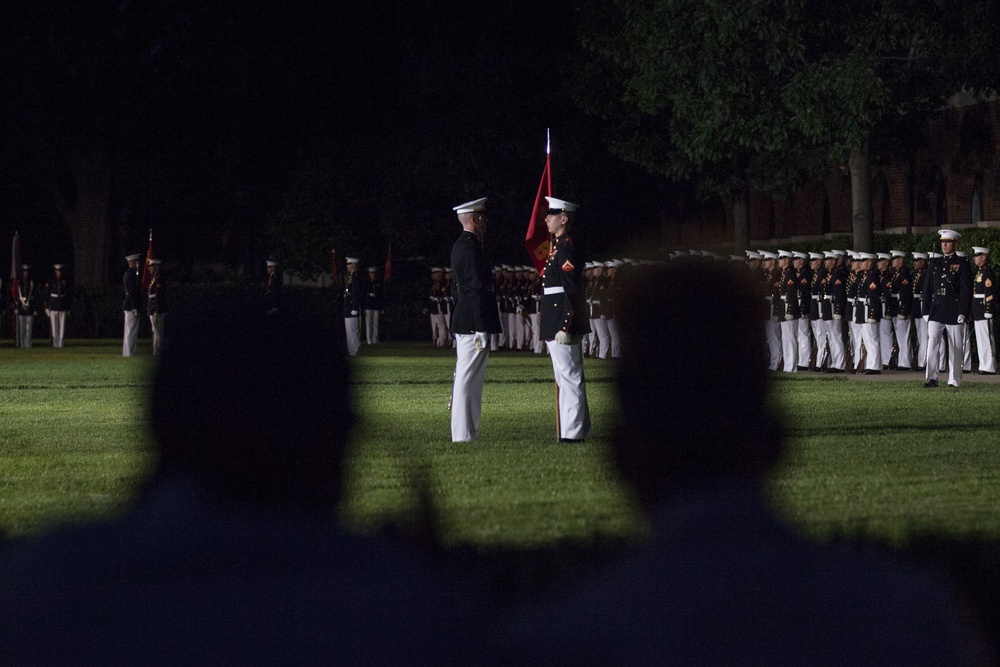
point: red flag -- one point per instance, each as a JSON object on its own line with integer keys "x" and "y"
{"x": 333, "y": 265}
{"x": 15, "y": 265}
{"x": 537, "y": 239}
{"x": 387, "y": 273}
{"x": 146, "y": 276}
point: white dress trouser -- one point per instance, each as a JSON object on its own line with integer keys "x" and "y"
{"x": 903, "y": 340}
{"x": 856, "y": 342}
{"x": 371, "y": 326}
{"x": 616, "y": 340}
{"x": 790, "y": 345}
{"x": 352, "y": 327}
{"x": 870, "y": 336}
{"x": 536, "y": 340}
{"x": 57, "y": 320}
{"x": 25, "y": 324}
{"x": 467, "y": 391}
{"x": 984, "y": 343}
{"x": 835, "y": 338}
{"x": 820, "y": 332}
{"x": 567, "y": 366}
{"x": 805, "y": 342}
{"x": 967, "y": 349}
{"x": 131, "y": 333}
{"x": 603, "y": 338}
{"x": 157, "y": 322}
{"x": 773, "y": 333}
{"x": 921, "y": 325}
{"x": 936, "y": 332}
{"x": 885, "y": 339}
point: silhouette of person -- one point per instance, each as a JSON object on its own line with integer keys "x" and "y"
{"x": 232, "y": 553}
{"x": 721, "y": 581}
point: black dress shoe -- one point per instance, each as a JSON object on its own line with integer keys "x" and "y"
{"x": 930, "y": 384}
{"x": 985, "y": 373}
{"x": 570, "y": 439}
{"x": 834, "y": 370}
{"x": 904, "y": 368}
{"x": 872, "y": 372}
{"x": 803, "y": 368}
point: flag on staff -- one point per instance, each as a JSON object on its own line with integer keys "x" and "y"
{"x": 537, "y": 239}
{"x": 15, "y": 264}
{"x": 387, "y": 272}
{"x": 146, "y": 276}
{"x": 333, "y": 265}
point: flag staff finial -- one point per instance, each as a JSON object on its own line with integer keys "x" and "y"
{"x": 548, "y": 142}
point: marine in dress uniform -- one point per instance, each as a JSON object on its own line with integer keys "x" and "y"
{"x": 899, "y": 308}
{"x": 947, "y": 301}
{"x": 130, "y": 306}
{"x": 272, "y": 287}
{"x": 374, "y": 305}
{"x": 771, "y": 278}
{"x": 855, "y": 310}
{"x": 57, "y": 296}
{"x": 803, "y": 276}
{"x": 602, "y": 337}
{"x": 787, "y": 303}
{"x": 25, "y": 307}
{"x": 436, "y": 308}
{"x": 473, "y": 320}
{"x": 156, "y": 303}
{"x": 817, "y": 291}
{"x": 919, "y": 321}
{"x": 608, "y": 305}
{"x": 835, "y": 298}
{"x": 352, "y": 306}
{"x": 984, "y": 291}
{"x": 868, "y": 312}
{"x": 885, "y": 326}
{"x": 564, "y": 322}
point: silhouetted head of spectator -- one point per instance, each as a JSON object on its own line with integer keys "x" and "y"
{"x": 692, "y": 379}
{"x": 256, "y": 407}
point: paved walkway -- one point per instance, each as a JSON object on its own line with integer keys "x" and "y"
{"x": 900, "y": 376}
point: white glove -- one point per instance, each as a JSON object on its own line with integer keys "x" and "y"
{"x": 482, "y": 340}
{"x": 48, "y": 313}
{"x": 135, "y": 313}
{"x": 788, "y": 318}
{"x": 353, "y": 313}
{"x": 988, "y": 316}
{"x": 961, "y": 319}
{"x": 563, "y": 337}
{"x": 837, "y": 317}
{"x": 774, "y": 318}
{"x": 927, "y": 318}
{"x": 900, "y": 317}
{"x": 872, "y": 321}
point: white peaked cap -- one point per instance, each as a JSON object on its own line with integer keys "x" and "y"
{"x": 561, "y": 205}
{"x": 471, "y": 206}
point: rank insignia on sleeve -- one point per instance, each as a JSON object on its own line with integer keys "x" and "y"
{"x": 568, "y": 266}
{"x": 989, "y": 283}
{"x": 906, "y": 282}
{"x": 839, "y": 282}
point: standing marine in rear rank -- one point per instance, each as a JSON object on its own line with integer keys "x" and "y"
{"x": 984, "y": 289}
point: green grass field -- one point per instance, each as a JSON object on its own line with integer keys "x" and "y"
{"x": 884, "y": 459}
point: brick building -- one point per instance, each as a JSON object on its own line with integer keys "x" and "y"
{"x": 954, "y": 181}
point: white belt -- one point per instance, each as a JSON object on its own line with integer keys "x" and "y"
{"x": 979, "y": 296}
{"x": 554, "y": 290}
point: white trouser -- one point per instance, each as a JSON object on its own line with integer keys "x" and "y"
{"x": 885, "y": 339}
{"x": 984, "y": 343}
{"x": 467, "y": 391}
{"x": 603, "y": 338}
{"x": 25, "y": 323}
{"x": 820, "y": 331}
{"x": 371, "y": 326}
{"x": 616, "y": 341}
{"x": 871, "y": 339}
{"x": 439, "y": 329}
{"x": 590, "y": 340}
{"x": 835, "y": 338}
{"x": 773, "y": 332}
{"x": 857, "y": 338}
{"x": 567, "y": 366}
{"x": 536, "y": 340}
{"x": 921, "y": 325}
{"x": 157, "y": 322}
{"x": 131, "y": 333}
{"x": 515, "y": 331}
{"x": 903, "y": 340}
{"x": 936, "y": 332}
{"x": 967, "y": 349}
{"x": 790, "y": 345}
{"x": 352, "y": 327}
{"x": 805, "y": 341}
{"x": 57, "y": 320}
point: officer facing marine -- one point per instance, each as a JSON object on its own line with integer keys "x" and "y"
{"x": 564, "y": 322}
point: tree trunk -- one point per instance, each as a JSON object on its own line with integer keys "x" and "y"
{"x": 741, "y": 220}
{"x": 87, "y": 217}
{"x": 860, "y": 166}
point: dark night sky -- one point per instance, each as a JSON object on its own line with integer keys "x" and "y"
{"x": 209, "y": 106}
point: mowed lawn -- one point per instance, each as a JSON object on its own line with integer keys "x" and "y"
{"x": 885, "y": 459}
